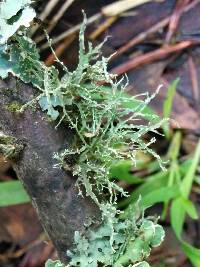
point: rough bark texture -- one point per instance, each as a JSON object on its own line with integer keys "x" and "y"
{"x": 52, "y": 190}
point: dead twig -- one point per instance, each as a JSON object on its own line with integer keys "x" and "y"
{"x": 142, "y": 36}
{"x": 71, "y": 31}
{"x": 59, "y": 50}
{"x": 102, "y": 27}
{"x": 121, "y": 6}
{"x": 174, "y": 20}
{"x": 59, "y": 15}
{"x": 194, "y": 80}
{"x": 151, "y": 56}
{"x": 55, "y": 19}
{"x": 106, "y": 10}
{"x": 50, "y": 5}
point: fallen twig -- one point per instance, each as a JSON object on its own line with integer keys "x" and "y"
{"x": 119, "y": 7}
{"x": 55, "y": 20}
{"x": 102, "y": 27}
{"x": 151, "y": 56}
{"x": 50, "y": 5}
{"x": 129, "y": 4}
{"x": 59, "y": 50}
{"x": 174, "y": 20}
{"x": 59, "y": 15}
{"x": 194, "y": 80}
{"x": 142, "y": 36}
{"x": 71, "y": 31}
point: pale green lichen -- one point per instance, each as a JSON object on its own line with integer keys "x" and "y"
{"x": 132, "y": 240}
{"x": 9, "y": 146}
{"x": 13, "y": 15}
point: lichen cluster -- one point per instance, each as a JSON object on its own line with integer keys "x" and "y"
{"x": 9, "y": 147}
{"x": 106, "y": 130}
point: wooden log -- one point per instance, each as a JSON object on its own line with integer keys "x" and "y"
{"x": 52, "y": 190}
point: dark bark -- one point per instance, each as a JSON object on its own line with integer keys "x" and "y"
{"x": 52, "y": 190}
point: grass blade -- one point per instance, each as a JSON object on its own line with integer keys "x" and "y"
{"x": 12, "y": 193}
{"x": 187, "y": 182}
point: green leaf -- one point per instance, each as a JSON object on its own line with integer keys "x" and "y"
{"x": 162, "y": 194}
{"x": 167, "y": 106}
{"x": 153, "y": 182}
{"x": 174, "y": 148}
{"x": 179, "y": 208}
{"x": 187, "y": 182}
{"x": 121, "y": 171}
{"x": 159, "y": 195}
{"x": 135, "y": 103}
{"x": 190, "y": 209}
{"x": 192, "y": 253}
{"x": 182, "y": 205}
{"x": 12, "y": 193}
{"x": 177, "y": 216}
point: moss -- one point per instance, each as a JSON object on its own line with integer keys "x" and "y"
{"x": 14, "y": 107}
{"x": 5, "y": 139}
{"x": 9, "y": 146}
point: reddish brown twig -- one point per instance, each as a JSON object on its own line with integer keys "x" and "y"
{"x": 142, "y": 36}
{"x": 60, "y": 49}
{"x": 151, "y": 56}
{"x": 194, "y": 79}
{"x": 102, "y": 27}
{"x": 174, "y": 20}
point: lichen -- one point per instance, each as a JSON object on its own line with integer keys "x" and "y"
{"x": 94, "y": 104}
{"x": 9, "y": 146}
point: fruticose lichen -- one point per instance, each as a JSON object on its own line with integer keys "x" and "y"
{"x": 94, "y": 104}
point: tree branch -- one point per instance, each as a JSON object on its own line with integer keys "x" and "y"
{"x": 52, "y": 190}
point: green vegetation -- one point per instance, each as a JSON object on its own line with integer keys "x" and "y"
{"x": 109, "y": 130}
{"x": 12, "y": 193}
{"x": 103, "y": 137}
